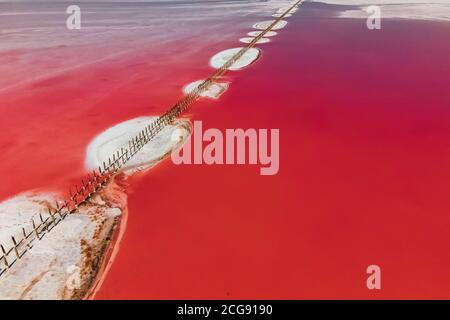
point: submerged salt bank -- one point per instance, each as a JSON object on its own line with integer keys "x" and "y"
{"x": 438, "y": 10}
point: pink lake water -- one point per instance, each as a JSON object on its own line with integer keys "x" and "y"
{"x": 364, "y": 129}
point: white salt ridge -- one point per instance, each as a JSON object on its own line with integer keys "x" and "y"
{"x": 44, "y": 272}
{"x": 214, "y": 91}
{"x": 257, "y": 33}
{"x": 250, "y": 39}
{"x": 24, "y": 211}
{"x": 218, "y": 60}
{"x": 116, "y": 137}
{"x": 283, "y": 10}
{"x": 277, "y": 15}
{"x": 265, "y": 24}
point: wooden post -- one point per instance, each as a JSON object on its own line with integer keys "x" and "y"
{"x": 52, "y": 216}
{"x": 35, "y": 229}
{"x": 15, "y": 247}
{"x": 5, "y": 260}
{"x": 42, "y": 222}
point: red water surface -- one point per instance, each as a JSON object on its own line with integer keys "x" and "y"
{"x": 364, "y": 166}
{"x": 364, "y": 177}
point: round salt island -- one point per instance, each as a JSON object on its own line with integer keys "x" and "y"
{"x": 222, "y": 57}
{"x": 257, "y": 33}
{"x": 214, "y": 91}
{"x": 113, "y": 139}
{"x": 283, "y": 10}
{"x": 278, "y": 15}
{"x": 263, "y": 25}
{"x": 250, "y": 39}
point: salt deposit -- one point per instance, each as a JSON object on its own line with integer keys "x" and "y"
{"x": 277, "y": 15}
{"x": 283, "y": 10}
{"x": 64, "y": 263}
{"x": 250, "y": 39}
{"x": 214, "y": 91}
{"x": 438, "y": 10}
{"x": 265, "y": 24}
{"x": 222, "y": 57}
{"x": 266, "y": 35}
{"x": 116, "y": 137}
